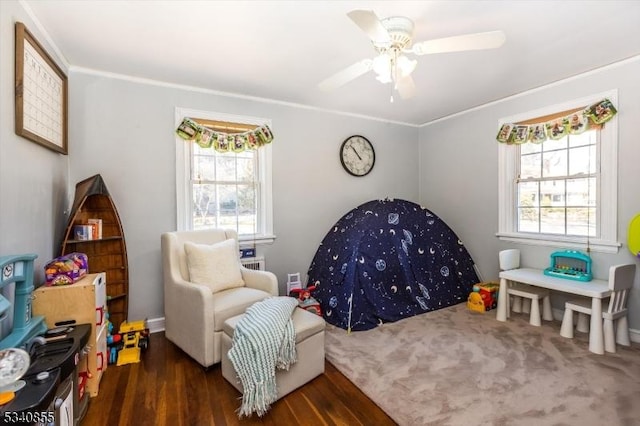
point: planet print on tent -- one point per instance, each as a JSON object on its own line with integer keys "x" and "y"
{"x": 416, "y": 264}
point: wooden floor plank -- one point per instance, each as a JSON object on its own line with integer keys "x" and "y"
{"x": 169, "y": 388}
{"x": 358, "y": 401}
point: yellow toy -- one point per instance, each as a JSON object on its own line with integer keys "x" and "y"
{"x": 484, "y": 297}
{"x": 134, "y": 336}
{"x": 475, "y": 303}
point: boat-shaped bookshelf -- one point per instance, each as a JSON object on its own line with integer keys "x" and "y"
{"x": 106, "y": 251}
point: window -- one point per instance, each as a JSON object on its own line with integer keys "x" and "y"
{"x": 224, "y": 190}
{"x": 557, "y": 186}
{"x": 561, "y": 193}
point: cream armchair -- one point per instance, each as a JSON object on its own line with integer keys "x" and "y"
{"x": 194, "y": 314}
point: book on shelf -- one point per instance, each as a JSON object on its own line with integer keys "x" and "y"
{"x": 93, "y": 231}
{"x": 97, "y": 223}
{"x": 82, "y": 232}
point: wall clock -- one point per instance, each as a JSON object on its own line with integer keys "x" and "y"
{"x": 357, "y": 155}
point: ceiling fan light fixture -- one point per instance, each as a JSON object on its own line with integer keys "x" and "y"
{"x": 388, "y": 68}
{"x": 382, "y": 68}
{"x": 384, "y": 78}
{"x": 405, "y": 65}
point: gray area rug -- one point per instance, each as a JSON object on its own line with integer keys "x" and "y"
{"x": 456, "y": 367}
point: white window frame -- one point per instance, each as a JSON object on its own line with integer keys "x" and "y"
{"x": 508, "y": 160}
{"x": 184, "y": 204}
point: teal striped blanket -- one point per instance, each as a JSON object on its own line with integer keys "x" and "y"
{"x": 264, "y": 339}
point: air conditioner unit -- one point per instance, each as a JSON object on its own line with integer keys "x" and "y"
{"x": 255, "y": 263}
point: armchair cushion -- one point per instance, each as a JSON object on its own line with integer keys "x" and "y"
{"x": 232, "y": 302}
{"x": 215, "y": 265}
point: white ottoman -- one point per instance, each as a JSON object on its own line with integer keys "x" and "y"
{"x": 309, "y": 347}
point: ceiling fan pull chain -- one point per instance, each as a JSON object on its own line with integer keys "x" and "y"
{"x": 394, "y": 67}
{"x": 394, "y": 78}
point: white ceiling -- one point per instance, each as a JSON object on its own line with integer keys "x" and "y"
{"x": 281, "y": 50}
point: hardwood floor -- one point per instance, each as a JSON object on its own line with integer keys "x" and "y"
{"x": 168, "y": 388}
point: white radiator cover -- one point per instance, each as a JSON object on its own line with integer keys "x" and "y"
{"x": 255, "y": 263}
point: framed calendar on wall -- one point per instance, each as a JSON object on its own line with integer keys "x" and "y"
{"x": 40, "y": 94}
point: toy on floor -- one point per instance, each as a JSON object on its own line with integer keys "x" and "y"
{"x": 306, "y": 301}
{"x": 293, "y": 282}
{"x": 114, "y": 342}
{"x": 484, "y": 297}
{"x": 135, "y": 337}
{"x": 475, "y": 303}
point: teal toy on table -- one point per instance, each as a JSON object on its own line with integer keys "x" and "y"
{"x": 570, "y": 264}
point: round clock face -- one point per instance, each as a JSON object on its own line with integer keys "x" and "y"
{"x": 357, "y": 155}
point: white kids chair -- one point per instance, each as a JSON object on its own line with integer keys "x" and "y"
{"x": 510, "y": 259}
{"x": 620, "y": 282}
{"x": 293, "y": 282}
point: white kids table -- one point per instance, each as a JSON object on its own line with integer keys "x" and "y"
{"x": 596, "y": 289}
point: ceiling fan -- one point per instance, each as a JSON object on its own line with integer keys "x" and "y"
{"x": 392, "y": 39}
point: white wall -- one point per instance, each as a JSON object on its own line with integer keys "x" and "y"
{"x": 468, "y": 198}
{"x": 124, "y": 130}
{"x": 33, "y": 179}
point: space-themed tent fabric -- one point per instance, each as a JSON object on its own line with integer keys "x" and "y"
{"x": 387, "y": 260}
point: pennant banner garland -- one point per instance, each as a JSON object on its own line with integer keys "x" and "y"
{"x": 224, "y": 142}
{"x": 573, "y": 124}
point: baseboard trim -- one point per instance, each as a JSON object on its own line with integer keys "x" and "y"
{"x": 155, "y": 325}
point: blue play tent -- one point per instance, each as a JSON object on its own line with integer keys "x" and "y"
{"x": 387, "y": 260}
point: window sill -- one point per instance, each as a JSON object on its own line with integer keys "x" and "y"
{"x": 597, "y": 245}
{"x": 248, "y": 241}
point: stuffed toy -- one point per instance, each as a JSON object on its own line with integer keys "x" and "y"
{"x": 306, "y": 300}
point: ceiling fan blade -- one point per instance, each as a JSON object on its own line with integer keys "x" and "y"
{"x": 406, "y": 87}
{"x": 477, "y": 41}
{"x": 371, "y": 25}
{"x": 346, "y": 75}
